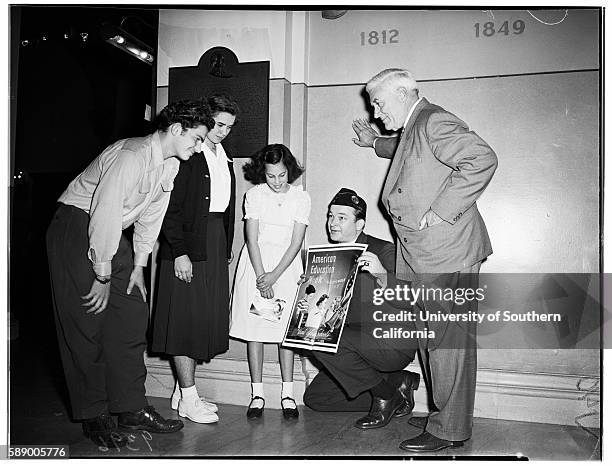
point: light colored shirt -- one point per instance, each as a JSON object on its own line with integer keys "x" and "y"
{"x": 220, "y": 181}
{"x": 411, "y": 111}
{"x": 129, "y": 183}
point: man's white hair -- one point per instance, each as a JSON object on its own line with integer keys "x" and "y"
{"x": 396, "y": 77}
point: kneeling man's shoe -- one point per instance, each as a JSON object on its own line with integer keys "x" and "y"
{"x": 150, "y": 420}
{"x": 410, "y": 383}
{"x": 381, "y": 412}
{"x": 103, "y": 432}
{"x": 426, "y": 442}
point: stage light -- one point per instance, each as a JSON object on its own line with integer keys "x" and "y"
{"x": 119, "y": 38}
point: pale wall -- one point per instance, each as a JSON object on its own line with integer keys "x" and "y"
{"x": 542, "y": 206}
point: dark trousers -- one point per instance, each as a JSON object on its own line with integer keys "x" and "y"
{"x": 102, "y": 354}
{"x": 360, "y": 363}
{"x": 452, "y": 358}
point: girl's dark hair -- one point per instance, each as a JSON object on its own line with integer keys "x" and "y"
{"x": 255, "y": 170}
{"x": 189, "y": 113}
{"x": 310, "y": 289}
{"x": 322, "y": 298}
{"x": 223, "y": 103}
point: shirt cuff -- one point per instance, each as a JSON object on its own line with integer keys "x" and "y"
{"x": 141, "y": 258}
{"x": 103, "y": 269}
{"x": 374, "y": 143}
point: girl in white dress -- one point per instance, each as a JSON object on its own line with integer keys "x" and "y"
{"x": 276, "y": 214}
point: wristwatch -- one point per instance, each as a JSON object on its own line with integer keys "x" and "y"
{"x": 103, "y": 280}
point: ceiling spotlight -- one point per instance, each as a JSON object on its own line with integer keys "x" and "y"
{"x": 84, "y": 36}
{"x": 121, "y": 39}
{"x": 25, "y": 42}
{"x": 66, "y": 35}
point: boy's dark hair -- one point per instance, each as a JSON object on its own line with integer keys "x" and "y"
{"x": 223, "y": 103}
{"x": 189, "y": 113}
{"x": 310, "y": 289}
{"x": 255, "y": 170}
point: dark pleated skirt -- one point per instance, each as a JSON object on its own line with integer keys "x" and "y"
{"x": 193, "y": 319}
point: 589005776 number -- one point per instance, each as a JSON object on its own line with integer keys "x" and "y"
{"x": 488, "y": 29}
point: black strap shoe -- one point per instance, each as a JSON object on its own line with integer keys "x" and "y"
{"x": 289, "y": 413}
{"x": 150, "y": 420}
{"x": 426, "y": 442}
{"x": 102, "y": 431}
{"x": 255, "y": 413}
{"x": 381, "y": 412}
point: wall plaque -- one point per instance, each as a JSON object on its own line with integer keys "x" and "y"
{"x": 219, "y": 72}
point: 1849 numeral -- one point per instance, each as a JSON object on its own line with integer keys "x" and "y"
{"x": 488, "y": 29}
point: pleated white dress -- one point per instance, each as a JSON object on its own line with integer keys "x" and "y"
{"x": 277, "y": 213}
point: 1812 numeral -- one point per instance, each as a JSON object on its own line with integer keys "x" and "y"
{"x": 374, "y": 37}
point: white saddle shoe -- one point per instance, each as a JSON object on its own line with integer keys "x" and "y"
{"x": 196, "y": 411}
{"x": 176, "y": 398}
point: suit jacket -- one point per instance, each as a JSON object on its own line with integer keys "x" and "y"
{"x": 361, "y": 307}
{"x": 361, "y": 310}
{"x": 438, "y": 163}
{"x": 185, "y": 224}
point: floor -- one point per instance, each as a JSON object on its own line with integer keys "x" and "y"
{"x": 39, "y": 416}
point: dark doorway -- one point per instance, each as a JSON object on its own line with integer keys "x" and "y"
{"x": 72, "y": 95}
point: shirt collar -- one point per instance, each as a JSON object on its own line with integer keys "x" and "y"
{"x": 170, "y": 165}
{"x": 412, "y": 111}
{"x": 220, "y": 152}
{"x": 157, "y": 156}
{"x": 171, "y": 168}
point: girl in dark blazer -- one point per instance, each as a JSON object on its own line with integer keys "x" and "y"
{"x": 191, "y": 320}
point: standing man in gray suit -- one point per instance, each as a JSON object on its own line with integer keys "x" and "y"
{"x": 439, "y": 169}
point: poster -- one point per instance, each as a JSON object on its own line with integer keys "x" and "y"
{"x": 323, "y": 299}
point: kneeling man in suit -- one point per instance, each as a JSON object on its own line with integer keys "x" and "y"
{"x": 366, "y": 373}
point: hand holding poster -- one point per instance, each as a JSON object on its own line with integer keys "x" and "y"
{"x": 322, "y": 300}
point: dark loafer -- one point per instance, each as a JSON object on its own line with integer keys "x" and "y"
{"x": 289, "y": 413}
{"x": 426, "y": 442}
{"x": 381, "y": 412}
{"x": 150, "y": 420}
{"x": 103, "y": 432}
{"x": 410, "y": 383}
{"x": 255, "y": 413}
